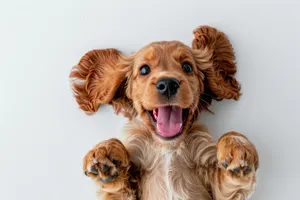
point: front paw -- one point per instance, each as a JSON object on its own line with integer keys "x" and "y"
{"x": 237, "y": 155}
{"x": 107, "y": 162}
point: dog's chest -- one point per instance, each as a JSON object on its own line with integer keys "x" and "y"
{"x": 157, "y": 183}
{"x": 168, "y": 166}
{"x": 169, "y": 178}
{"x": 171, "y": 174}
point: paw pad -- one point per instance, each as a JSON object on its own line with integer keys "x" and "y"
{"x": 225, "y": 165}
{"x": 94, "y": 170}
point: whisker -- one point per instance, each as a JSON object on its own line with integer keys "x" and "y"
{"x": 209, "y": 95}
{"x": 207, "y": 105}
{"x": 205, "y": 102}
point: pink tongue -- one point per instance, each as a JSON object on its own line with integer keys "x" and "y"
{"x": 169, "y": 121}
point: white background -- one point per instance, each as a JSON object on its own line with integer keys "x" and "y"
{"x": 44, "y": 136}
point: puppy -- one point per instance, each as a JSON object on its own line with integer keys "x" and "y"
{"x": 166, "y": 153}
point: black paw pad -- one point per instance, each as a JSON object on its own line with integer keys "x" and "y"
{"x": 105, "y": 168}
{"x": 116, "y": 162}
{"x": 247, "y": 170}
{"x": 236, "y": 170}
{"x": 94, "y": 170}
{"x": 110, "y": 178}
{"x": 225, "y": 165}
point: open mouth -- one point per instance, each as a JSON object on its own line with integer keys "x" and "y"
{"x": 168, "y": 120}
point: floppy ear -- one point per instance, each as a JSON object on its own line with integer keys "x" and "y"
{"x": 216, "y": 60}
{"x": 100, "y": 78}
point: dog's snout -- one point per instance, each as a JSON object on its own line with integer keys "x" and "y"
{"x": 167, "y": 86}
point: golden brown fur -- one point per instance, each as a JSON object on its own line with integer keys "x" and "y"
{"x": 189, "y": 166}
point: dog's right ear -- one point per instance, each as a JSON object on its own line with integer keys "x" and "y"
{"x": 100, "y": 78}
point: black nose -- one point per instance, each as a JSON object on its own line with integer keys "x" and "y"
{"x": 167, "y": 86}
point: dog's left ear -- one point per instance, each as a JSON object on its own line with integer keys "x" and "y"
{"x": 215, "y": 58}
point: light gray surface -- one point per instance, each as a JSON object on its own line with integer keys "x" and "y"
{"x": 43, "y": 136}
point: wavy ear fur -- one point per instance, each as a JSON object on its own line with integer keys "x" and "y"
{"x": 100, "y": 78}
{"x": 219, "y": 76}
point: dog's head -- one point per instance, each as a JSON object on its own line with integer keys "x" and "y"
{"x": 166, "y": 83}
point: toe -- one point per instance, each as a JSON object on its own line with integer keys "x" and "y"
{"x": 110, "y": 178}
{"x": 236, "y": 170}
{"x": 247, "y": 170}
{"x": 105, "y": 168}
{"x": 225, "y": 165}
{"x": 94, "y": 170}
{"x": 116, "y": 162}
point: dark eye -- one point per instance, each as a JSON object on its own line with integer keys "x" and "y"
{"x": 187, "y": 67}
{"x": 145, "y": 69}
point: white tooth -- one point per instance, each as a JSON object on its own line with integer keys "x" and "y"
{"x": 155, "y": 113}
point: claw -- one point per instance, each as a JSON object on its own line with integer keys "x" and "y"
{"x": 95, "y": 161}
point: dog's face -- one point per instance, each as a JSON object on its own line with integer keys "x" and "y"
{"x": 166, "y": 83}
{"x": 165, "y": 87}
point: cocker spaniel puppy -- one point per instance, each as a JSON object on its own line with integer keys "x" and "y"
{"x": 166, "y": 153}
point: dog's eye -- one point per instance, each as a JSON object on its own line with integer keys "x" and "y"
{"x": 145, "y": 69}
{"x": 187, "y": 68}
